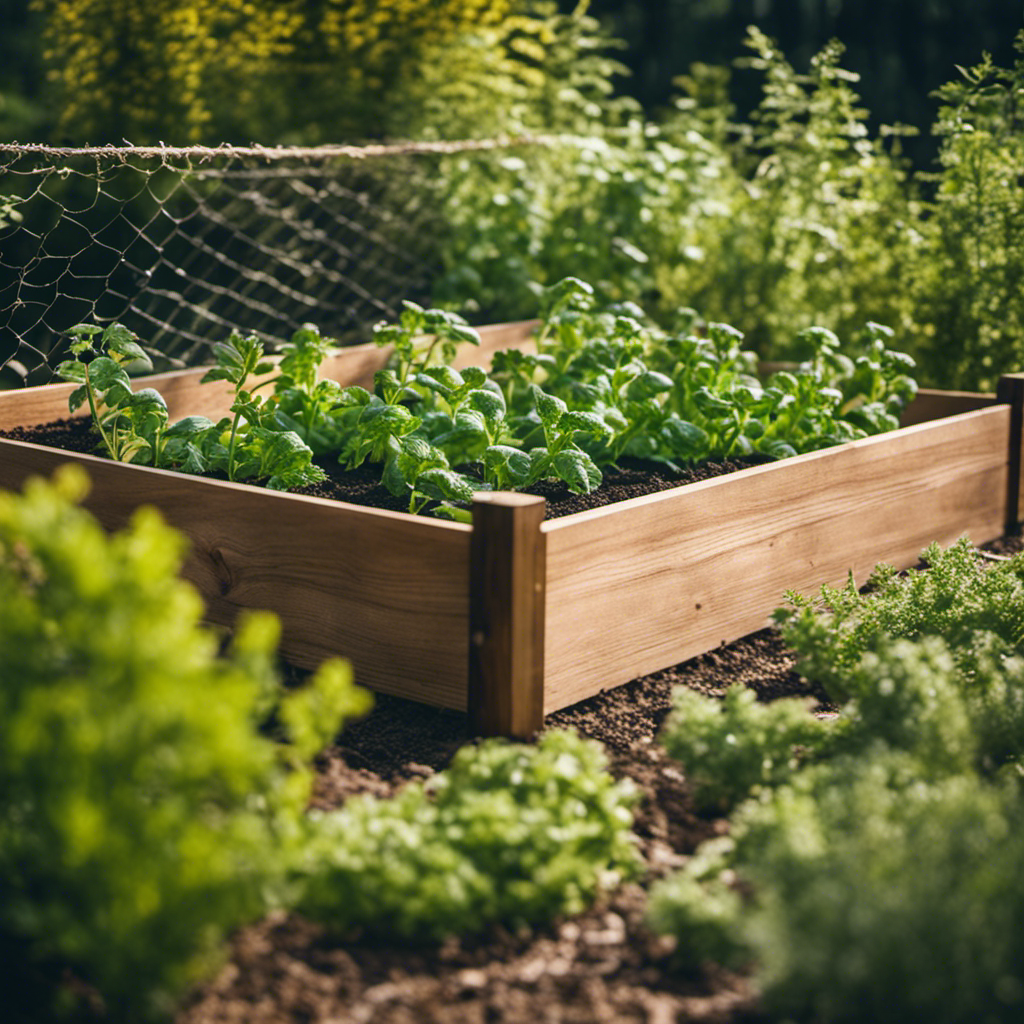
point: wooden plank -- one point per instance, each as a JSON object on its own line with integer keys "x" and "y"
{"x": 506, "y": 649}
{"x": 1011, "y": 392}
{"x": 662, "y": 578}
{"x": 929, "y": 404}
{"x": 388, "y": 591}
{"x": 185, "y": 396}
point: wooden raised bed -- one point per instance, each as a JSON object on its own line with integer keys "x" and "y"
{"x": 515, "y": 617}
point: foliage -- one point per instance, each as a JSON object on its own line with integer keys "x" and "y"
{"x": 886, "y": 896}
{"x": 967, "y": 279}
{"x": 797, "y": 218}
{"x": 140, "y": 819}
{"x": 512, "y": 834}
{"x": 153, "y": 71}
{"x": 977, "y": 608}
{"x": 825, "y": 225}
{"x": 452, "y": 68}
{"x": 603, "y": 385}
{"x": 879, "y": 875}
{"x": 253, "y": 443}
{"x": 733, "y": 747}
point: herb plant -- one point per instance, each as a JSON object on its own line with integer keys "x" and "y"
{"x": 603, "y": 385}
{"x": 140, "y": 820}
{"x": 254, "y": 443}
{"x": 879, "y": 873}
{"x": 509, "y": 833}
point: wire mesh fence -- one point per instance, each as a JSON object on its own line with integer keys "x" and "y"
{"x": 184, "y": 245}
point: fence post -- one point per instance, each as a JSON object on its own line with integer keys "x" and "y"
{"x": 1010, "y": 391}
{"x": 506, "y": 616}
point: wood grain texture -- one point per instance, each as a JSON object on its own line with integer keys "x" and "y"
{"x": 388, "y": 591}
{"x": 186, "y": 396}
{"x": 506, "y": 641}
{"x": 656, "y": 580}
{"x": 929, "y": 404}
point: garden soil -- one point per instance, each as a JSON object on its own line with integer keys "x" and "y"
{"x": 600, "y": 967}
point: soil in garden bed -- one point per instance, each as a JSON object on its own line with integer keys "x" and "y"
{"x": 362, "y": 486}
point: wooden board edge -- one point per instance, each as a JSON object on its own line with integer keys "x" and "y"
{"x": 894, "y": 438}
{"x": 186, "y": 396}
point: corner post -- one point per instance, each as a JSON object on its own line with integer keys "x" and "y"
{"x": 1010, "y": 391}
{"x": 506, "y": 615}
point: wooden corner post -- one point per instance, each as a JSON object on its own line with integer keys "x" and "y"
{"x": 1010, "y": 391}
{"x": 506, "y": 615}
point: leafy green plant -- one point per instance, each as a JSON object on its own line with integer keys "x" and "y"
{"x": 512, "y": 834}
{"x": 967, "y": 278}
{"x": 884, "y": 895}
{"x": 732, "y": 747}
{"x": 129, "y": 424}
{"x": 253, "y": 443}
{"x": 977, "y": 609}
{"x": 879, "y": 874}
{"x": 143, "y": 812}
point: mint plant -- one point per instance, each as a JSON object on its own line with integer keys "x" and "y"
{"x": 252, "y": 444}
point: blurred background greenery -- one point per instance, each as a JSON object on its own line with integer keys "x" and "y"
{"x": 727, "y": 156}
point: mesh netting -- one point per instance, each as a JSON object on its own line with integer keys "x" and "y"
{"x": 183, "y": 245}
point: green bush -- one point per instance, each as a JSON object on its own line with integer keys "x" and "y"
{"x": 731, "y": 746}
{"x": 515, "y": 834}
{"x": 967, "y": 277}
{"x": 886, "y": 896}
{"x": 142, "y": 812}
{"x": 882, "y": 879}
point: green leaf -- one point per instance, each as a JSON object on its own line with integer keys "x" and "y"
{"x": 443, "y": 379}
{"x": 489, "y": 403}
{"x": 777, "y": 448}
{"x": 77, "y": 397}
{"x": 550, "y": 408}
{"x": 647, "y": 385}
{"x": 125, "y": 343}
{"x": 72, "y": 370}
{"x": 589, "y": 423}
{"x": 453, "y": 513}
{"x": 577, "y": 470}
{"x": 686, "y": 440}
{"x": 507, "y": 465}
{"x": 190, "y": 426}
{"x": 711, "y": 404}
{"x": 85, "y": 330}
{"x": 446, "y": 484}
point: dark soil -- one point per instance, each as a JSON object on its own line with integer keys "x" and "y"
{"x": 362, "y": 486}
{"x": 602, "y": 967}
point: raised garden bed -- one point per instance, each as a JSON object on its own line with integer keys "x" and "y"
{"x": 514, "y": 617}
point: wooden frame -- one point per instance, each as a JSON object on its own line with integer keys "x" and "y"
{"x": 515, "y": 617}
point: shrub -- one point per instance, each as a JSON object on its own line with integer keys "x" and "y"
{"x": 142, "y": 812}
